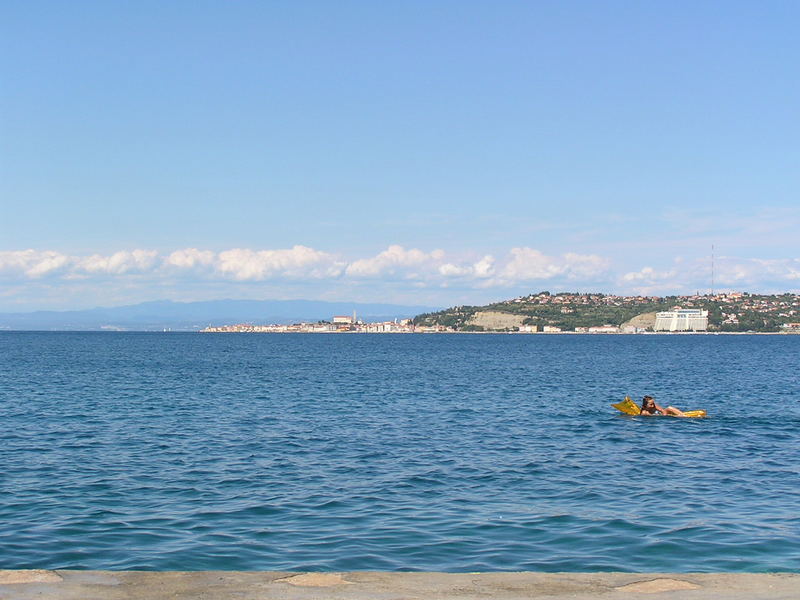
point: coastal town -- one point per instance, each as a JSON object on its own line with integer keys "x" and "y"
{"x": 338, "y": 324}
{"x": 591, "y": 313}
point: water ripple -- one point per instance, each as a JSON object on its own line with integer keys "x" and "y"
{"x": 453, "y": 453}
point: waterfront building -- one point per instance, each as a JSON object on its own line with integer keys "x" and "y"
{"x": 682, "y": 319}
{"x": 603, "y": 329}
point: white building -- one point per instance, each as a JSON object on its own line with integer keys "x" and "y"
{"x": 603, "y": 329}
{"x": 682, "y": 319}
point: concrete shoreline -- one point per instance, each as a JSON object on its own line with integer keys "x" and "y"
{"x": 374, "y": 585}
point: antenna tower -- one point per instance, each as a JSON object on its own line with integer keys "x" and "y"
{"x": 712, "y": 269}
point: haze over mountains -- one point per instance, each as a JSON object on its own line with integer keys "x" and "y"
{"x": 192, "y": 316}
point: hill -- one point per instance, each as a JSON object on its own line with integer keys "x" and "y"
{"x": 570, "y": 311}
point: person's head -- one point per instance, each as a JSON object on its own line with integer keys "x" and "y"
{"x": 648, "y": 403}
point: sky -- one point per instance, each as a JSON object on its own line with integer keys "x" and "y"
{"x": 437, "y": 153}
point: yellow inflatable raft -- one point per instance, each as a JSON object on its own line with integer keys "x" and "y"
{"x": 629, "y": 407}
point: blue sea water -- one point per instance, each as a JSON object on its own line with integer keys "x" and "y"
{"x": 397, "y": 452}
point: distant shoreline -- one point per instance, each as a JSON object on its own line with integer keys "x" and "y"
{"x": 524, "y": 333}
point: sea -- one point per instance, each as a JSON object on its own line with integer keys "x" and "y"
{"x": 445, "y": 452}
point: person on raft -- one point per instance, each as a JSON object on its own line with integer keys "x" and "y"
{"x": 650, "y": 408}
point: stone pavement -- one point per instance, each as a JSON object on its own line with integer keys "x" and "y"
{"x": 368, "y": 585}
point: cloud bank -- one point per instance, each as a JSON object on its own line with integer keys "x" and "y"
{"x": 392, "y": 273}
{"x": 732, "y": 273}
{"x": 299, "y": 263}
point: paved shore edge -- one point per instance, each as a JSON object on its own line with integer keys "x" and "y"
{"x": 368, "y": 585}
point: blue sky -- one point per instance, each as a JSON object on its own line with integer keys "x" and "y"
{"x": 429, "y": 153}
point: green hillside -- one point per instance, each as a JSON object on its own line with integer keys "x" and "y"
{"x": 568, "y": 311}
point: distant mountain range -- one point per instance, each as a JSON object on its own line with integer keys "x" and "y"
{"x": 191, "y": 316}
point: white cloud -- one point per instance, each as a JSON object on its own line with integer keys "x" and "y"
{"x": 32, "y": 263}
{"x": 297, "y": 262}
{"x": 649, "y": 275}
{"x": 190, "y": 258}
{"x": 585, "y": 265}
{"x": 118, "y": 263}
{"x": 521, "y": 265}
{"x": 451, "y": 270}
{"x": 395, "y": 261}
{"x": 484, "y": 267}
{"x": 731, "y": 273}
{"x": 396, "y": 270}
{"x": 481, "y": 269}
{"x": 529, "y": 264}
{"x": 752, "y": 271}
